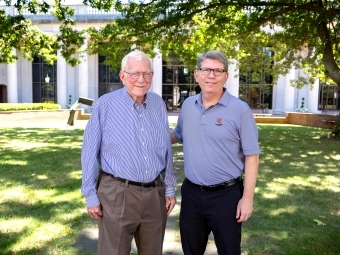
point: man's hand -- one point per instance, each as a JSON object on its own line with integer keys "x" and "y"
{"x": 170, "y": 203}
{"x": 244, "y": 209}
{"x": 95, "y": 211}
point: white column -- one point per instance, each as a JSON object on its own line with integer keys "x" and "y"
{"x": 156, "y": 85}
{"x": 233, "y": 82}
{"x": 289, "y": 91}
{"x": 62, "y": 96}
{"x": 25, "y": 80}
{"x": 12, "y": 81}
{"x": 83, "y": 74}
{"x": 313, "y": 98}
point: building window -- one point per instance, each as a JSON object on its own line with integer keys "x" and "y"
{"x": 329, "y": 97}
{"x": 178, "y": 84}
{"x": 256, "y": 86}
{"x": 43, "y": 91}
{"x": 108, "y": 79}
{"x": 256, "y": 90}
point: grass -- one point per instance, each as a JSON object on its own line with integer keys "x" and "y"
{"x": 42, "y": 210}
{"x": 297, "y": 202}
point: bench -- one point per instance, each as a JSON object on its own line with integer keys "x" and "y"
{"x": 329, "y": 121}
{"x": 278, "y": 113}
{"x": 262, "y": 114}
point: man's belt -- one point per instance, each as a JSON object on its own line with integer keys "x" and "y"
{"x": 220, "y": 186}
{"x": 141, "y": 184}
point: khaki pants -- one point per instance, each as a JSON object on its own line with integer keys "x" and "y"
{"x": 131, "y": 211}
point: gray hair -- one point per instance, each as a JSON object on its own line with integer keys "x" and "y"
{"x": 138, "y": 55}
{"x": 213, "y": 54}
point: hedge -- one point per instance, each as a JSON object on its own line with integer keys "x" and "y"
{"x": 28, "y": 106}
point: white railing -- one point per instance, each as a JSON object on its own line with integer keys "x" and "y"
{"x": 27, "y": 12}
{"x": 93, "y": 11}
{"x": 78, "y": 10}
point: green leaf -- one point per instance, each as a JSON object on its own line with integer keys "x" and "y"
{"x": 320, "y": 223}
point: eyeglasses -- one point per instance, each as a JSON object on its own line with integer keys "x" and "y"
{"x": 145, "y": 75}
{"x": 216, "y": 71}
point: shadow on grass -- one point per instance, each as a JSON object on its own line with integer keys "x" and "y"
{"x": 297, "y": 202}
{"x": 40, "y": 175}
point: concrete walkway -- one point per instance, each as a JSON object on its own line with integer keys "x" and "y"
{"x": 88, "y": 239}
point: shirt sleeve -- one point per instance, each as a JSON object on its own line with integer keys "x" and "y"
{"x": 178, "y": 128}
{"x": 169, "y": 175}
{"x": 90, "y": 158}
{"x": 249, "y": 134}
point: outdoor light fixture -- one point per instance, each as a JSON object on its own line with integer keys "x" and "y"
{"x": 47, "y": 79}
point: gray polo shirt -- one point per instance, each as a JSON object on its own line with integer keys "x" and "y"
{"x": 216, "y": 140}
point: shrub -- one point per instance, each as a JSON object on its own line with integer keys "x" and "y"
{"x": 28, "y": 106}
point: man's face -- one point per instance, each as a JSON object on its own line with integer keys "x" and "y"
{"x": 211, "y": 83}
{"x": 137, "y": 87}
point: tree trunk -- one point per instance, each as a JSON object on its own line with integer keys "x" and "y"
{"x": 336, "y": 130}
{"x": 331, "y": 66}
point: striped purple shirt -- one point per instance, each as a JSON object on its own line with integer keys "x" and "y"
{"x": 127, "y": 140}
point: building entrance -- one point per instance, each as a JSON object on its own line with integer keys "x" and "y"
{"x": 3, "y": 94}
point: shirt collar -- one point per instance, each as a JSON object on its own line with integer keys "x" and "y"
{"x": 131, "y": 102}
{"x": 223, "y": 100}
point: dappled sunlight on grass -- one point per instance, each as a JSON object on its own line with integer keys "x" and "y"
{"x": 40, "y": 177}
{"x": 287, "y": 209}
{"x": 22, "y": 146}
{"x": 336, "y": 157}
{"x": 14, "y": 162}
{"x": 42, "y": 210}
{"x": 67, "y": 196}
{"x": 298, "y": 186}
{"x": 314, "y": 153}
{"x": 14, "y": 224}
{"x": 278, "y": 235}
{"x": 24, "y": 195}
{"x": 42, "y": 233}
{"x": 75, "y": 174}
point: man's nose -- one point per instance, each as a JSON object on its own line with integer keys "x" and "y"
{"x": 141, "y": 78}
{"x": 211, "y": 74}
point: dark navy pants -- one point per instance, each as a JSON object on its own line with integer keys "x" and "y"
{"x": 203, "y": 212}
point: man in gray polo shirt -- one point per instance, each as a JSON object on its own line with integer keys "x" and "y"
{"x": 220, "y": 144}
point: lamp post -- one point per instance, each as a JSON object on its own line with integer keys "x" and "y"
{"x": 47, "y": 80}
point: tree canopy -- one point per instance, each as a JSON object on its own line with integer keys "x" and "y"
{"x": 301, "y": 33}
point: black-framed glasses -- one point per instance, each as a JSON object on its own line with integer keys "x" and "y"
{"x": 146, "y": 75}
{"x": 216, "y": 71}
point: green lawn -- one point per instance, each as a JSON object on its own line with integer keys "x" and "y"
{"x": 297, "y": 202}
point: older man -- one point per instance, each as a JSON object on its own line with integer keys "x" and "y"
{"x": 127, "y": 137}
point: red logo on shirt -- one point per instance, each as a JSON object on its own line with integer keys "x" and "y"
{"x": 219, "y": 122}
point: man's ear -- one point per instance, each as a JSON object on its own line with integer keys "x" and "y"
{"x": 195, "y": 74}
{"x": 122, "y": 76}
